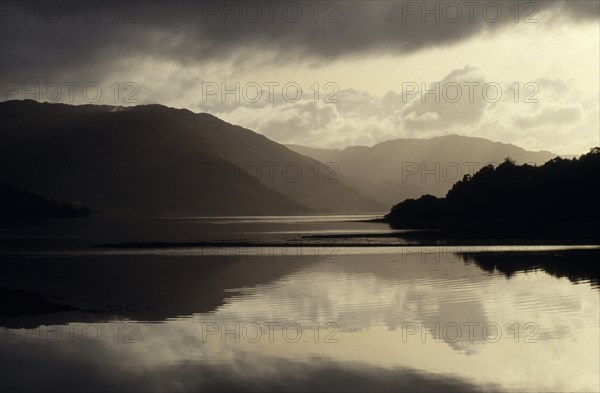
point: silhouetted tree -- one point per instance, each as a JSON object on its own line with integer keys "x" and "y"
{"x": 562, "y": 191}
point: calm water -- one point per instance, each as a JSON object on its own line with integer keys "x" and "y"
{"x": 318, "y": 315}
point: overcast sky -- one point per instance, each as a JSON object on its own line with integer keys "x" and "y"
{"x": 517, "y": 72}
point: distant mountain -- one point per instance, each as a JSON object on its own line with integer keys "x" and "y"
{"x": 408, "y": 168}
{"x": 16, "y": 203}
{"x": 562, "y": 194}
{"x": 154, "y": 160}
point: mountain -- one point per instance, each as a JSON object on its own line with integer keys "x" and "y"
{"x": 408, "y": 168}
{"x": 562, "y": 194}
{"x": 16, "y": 203}
{"x": 154, "y": 160}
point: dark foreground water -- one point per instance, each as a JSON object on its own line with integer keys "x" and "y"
{"x": 300, "y": 314}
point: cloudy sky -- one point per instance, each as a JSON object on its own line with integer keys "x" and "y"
{"x": 323, "y": 74}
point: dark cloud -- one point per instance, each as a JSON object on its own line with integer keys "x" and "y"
{"x": 581, "y": 9}
{"x": 88, "y": 40}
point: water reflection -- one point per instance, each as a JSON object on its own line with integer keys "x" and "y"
{"x": 577, "y": 265}
{"x": 376, "y": 320}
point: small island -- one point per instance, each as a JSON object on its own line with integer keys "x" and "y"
{"x": 16, "y": 203}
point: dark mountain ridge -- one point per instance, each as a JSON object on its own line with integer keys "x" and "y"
{"x": 154, "y": 160}
{"x": 400, "y": 169}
